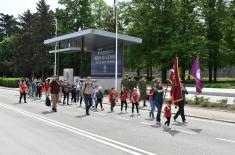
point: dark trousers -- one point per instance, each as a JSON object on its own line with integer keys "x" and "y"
{"x": 112, "y": 106}
{"x": 81, "y": 100}
{"x": 137, "y": 107}
{"x": 73, "y": 99}
{"x": 122, "y": 104}
{"x": 180, "y": 111}
{"x": 23, "y": 95}
{"x": 159, "y": 111}
{"x": 39, "y": 92}
{"x": 99, "y": 101}
{"x": 168, "y": 119}
{"x": 66, "y": 96}
{"x": 88, "y": 103}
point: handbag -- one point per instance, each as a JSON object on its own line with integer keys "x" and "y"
{"x": 48, "y": 102}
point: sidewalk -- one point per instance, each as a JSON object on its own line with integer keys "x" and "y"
{"x": 197, "y": 112}
{"x": 190, "y": 111}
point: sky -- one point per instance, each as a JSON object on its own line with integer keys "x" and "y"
{"x": 16, "y": 7}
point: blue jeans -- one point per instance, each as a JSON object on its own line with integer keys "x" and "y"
{"x": 77, "y": 95}
{"x": 152, "y": 105}
{"x": 88, "y": 102}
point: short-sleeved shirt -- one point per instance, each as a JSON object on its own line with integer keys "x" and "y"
{"x": 55, "y": 87}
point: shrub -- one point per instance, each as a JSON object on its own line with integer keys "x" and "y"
{"x": 10, "y": 82}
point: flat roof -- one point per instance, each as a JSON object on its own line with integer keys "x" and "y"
{"x": 93, "y": 39}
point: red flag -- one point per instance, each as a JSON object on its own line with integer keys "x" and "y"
{"x": 176, "y": 92}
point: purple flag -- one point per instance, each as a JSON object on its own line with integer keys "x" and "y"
{"x": 196, "y": 74}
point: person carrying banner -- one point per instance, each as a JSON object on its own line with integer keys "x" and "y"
{"x": 181, "y": 104}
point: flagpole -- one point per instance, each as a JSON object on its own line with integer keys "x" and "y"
{"x": 116, "y": 61}
{"x": 55, "y": 46}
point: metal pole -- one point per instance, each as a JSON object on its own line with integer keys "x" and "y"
{"x": 116, "y": 61}
{"x": 55, "y": 46}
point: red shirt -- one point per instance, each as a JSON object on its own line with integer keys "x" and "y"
{"x": 123, "y": 96}
{"x": 151, "y": 96}
{"x": 167, "y": 111}
{"x": 23, "y": 88}
{"x": 112, "y": 97}
{"x": 46, "y": 86}
{"x": 134, "y": 97}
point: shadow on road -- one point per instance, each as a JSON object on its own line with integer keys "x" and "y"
{"x": 171, "y": 132}
{"x": 81, "y": 116}
{"x": 47, "y": 112}
{"x": 196, "y": 130}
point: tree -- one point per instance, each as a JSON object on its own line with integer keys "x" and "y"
{"x": 8, "y": 25}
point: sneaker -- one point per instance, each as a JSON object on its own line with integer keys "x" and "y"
{"x": 25, "y": 102}
{"x": 102, "y": 109}
{"x": 158, "y": 123}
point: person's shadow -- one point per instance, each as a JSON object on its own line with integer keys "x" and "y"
{"x": 81, "y": 116}
{"x": 47, "y": 112}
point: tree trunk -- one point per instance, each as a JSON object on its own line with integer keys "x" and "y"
{"x": 210, "y": 67}
{"x": 215, "y": 66}
{"x": 147, "y": 72}
{"x": 183, "y": 71}
{"x": 138, "y": 71}
{"x": 164, "y": 74}
{"x": 151, "y": 71}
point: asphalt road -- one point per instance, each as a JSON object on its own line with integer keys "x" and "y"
{"x": 32, "y": 128}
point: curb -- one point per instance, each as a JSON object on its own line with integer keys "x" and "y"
{"x": 142, "y": 108}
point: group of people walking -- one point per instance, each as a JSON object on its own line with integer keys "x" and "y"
{"x": 93, "y": 95}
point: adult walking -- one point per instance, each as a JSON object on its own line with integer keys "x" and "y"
{"x": 23, "y": 90}
{"x": 46, "y": 86}
{"x": 123, "y": 98}
{"x": 78, "y": 89}
{"x": 135, "y": 101}
{"x": 158, "y": 97}
{"x": 181, "y": 104}
{"x": 151, "y": 102}
{"x": 87, "y": 92}
{"x": 54, "y": 90}
{"x": 39, "y": 85}
{"x": 112, "y": 99}
{"x": 99, "y": 98}
{"x": 66, "y": 92}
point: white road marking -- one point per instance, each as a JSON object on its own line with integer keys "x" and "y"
{"x": 146, "y": 123}
{"x": 226, "y": 140}
{"x": 115, "y": 144}
{"x": 189, "y": 132}
{"x": 122, "y": 118}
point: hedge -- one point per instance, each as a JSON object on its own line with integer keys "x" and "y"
{"x": 10, "y": 82}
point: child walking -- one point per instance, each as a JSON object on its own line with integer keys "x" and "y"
{"x": 123, "y": 97}
{"x": 134, "y": 101}
{"x": 112, "y": 98}
{"x": 99, "y": 98}
{"x": 167, "y": 113}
